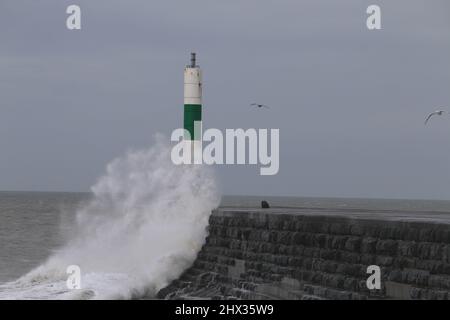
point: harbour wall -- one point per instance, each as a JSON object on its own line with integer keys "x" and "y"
{"x": 306, "y": 253}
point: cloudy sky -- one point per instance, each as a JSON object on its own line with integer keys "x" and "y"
{"x": 349, "y": 102}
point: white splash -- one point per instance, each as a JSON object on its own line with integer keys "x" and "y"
{"x": 143, "y": 227}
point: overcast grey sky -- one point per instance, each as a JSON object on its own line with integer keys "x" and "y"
{"x": 349, "y": 102}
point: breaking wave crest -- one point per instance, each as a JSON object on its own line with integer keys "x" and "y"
{"x": 143, "y": 227}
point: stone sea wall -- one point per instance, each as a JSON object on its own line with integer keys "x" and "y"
{"x": 261, "y": 254}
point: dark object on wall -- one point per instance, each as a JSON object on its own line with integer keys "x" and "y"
{"x": 265, "y": 204}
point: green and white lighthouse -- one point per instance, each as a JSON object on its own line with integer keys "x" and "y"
{"x": 192, "y": 97}
{"x": 193, "y": 107}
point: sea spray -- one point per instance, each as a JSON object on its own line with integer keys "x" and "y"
{"x": 143, "y": 227}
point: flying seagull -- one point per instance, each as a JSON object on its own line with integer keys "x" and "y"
{"x": 436, "y": 113}
{"x": 260, "y": 105}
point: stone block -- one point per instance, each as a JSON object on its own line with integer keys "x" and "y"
{"x": 368, "y": 245}
{"x": 387, "y": 247}
{"x": 399, "y": 291}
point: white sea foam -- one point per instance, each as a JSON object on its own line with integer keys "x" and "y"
{"x": 143, "y": 227}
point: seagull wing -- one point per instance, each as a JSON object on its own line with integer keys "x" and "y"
{"x": 430, "y": 116}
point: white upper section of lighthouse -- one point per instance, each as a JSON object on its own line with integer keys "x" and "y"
{"x": 193, "y": 83}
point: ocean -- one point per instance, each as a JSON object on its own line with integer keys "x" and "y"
{"x": 34, "y": 225}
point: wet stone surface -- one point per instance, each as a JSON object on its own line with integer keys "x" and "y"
{"x": 316, "y": 254}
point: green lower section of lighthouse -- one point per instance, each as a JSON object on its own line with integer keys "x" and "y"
{"x": 192, "y": 113}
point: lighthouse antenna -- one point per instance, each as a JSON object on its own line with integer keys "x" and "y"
{"x": 193, "y": 60}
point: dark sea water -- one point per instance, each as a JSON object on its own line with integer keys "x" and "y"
{"x": 34, "y": 224}
{"x": 31, "y": 227}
